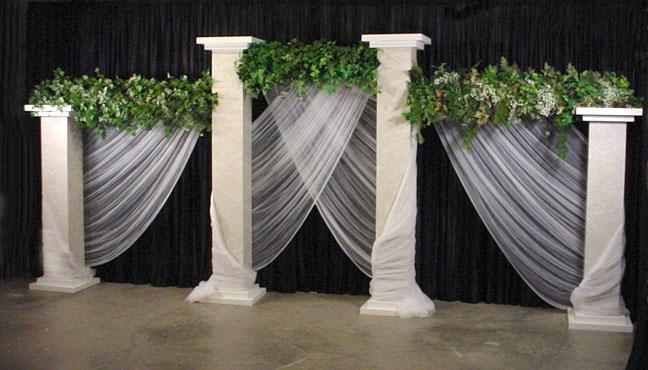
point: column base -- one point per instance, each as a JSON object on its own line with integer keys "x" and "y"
{"x": 617, "y": 324}
{"x": 73, "y": 285}
{"x": 379, "y": 308}
{"x": 238, "y": 297}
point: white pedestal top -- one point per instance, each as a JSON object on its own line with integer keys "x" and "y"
{"x": 228, "y": 44}
{"x": 397, "y": 40}
{"x": 49, "y": 110}
{"x": 609, "y": 115}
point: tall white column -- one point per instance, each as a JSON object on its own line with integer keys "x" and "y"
{"x": 604, "y": 216}
{"x": 397, "y": 54}
{"x": 231, "y": 163}
{"x": 62, "y": 188}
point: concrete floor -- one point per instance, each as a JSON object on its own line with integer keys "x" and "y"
{"x": 121, "y": 326}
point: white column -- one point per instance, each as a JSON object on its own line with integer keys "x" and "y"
{"x": 231, "y": 161}
{"x": 62, "y": 188}
{"x": 397, "y": 54}
{"x": 604, "y": 210}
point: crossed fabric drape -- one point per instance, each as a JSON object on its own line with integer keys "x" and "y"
{"x": 297, "y": 144}
{"x": 314, "y": 149}
{"x": 533, "y": 204}
{"x": 317, "y": 149}
{"x": 127, "y": 180}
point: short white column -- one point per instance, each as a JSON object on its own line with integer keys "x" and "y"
{"x": 231, "y": 161}
{"x": 397, "y": 54}
{"x": 62, "y": 188}
{"x": 604, "y": 207}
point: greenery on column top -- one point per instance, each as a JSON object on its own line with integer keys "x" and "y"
{"x": 504, "y": 94}
{"x": 323, "y": 64}
{"x": 130, "y": 104}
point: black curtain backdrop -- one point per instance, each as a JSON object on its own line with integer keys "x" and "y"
{"x": 456, "y": 257}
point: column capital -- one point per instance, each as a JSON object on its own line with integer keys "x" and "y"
{"x": 227, "y": 44}
{"x": 49, "y": 110}
{"x": 608, "y": 115}
{"x": 397, "y": 40}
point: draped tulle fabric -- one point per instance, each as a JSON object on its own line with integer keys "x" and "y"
{"x": 531, "y": 201}
{"x": 127, "y": 180}
{"x": 392, "y": 259}
{"x": 600, "y": 291}
{"x": 317, "y": 148}
{"x": 533, "y": 204}
{"x": 348, "y": 202}
{"x": 314, "y": 148}
{"x": 227, "y": 271}
{"x": 301, "y": 143}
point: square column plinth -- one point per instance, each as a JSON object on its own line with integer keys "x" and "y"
{"x": 232, "y": 165}
{"x": 604, "y": 211}
{"x": 62, "y": 188}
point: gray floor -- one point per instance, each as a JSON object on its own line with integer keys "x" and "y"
{"x": 121, "y": 326}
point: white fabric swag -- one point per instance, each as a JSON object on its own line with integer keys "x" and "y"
{"x": 533, "y": 204}
{"x": 310, "y": 150}
{"x": 127, "y": 180}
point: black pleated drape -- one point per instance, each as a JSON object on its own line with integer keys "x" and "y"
{"x": 19, "y": 152}
{"x": 456, "y": 257}
{"x": 637, "y": 255}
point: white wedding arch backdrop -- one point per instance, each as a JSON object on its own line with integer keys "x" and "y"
{"x": 386, "y": 253}
{"x": 313, "y": 135}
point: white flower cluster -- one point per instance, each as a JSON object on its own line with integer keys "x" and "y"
{"x": 513, "y": 114}
{"x": 546, "y": 103}
{"x": 484, "y": 93}
{"x": 446, "y": 78}
{"x": 611, "y": 94}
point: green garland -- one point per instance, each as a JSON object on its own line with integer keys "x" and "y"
{"x": 504, "y": 94}
{"x": 322, "y": 64}
{"x": 137, "y": 103}
{"x": 499, "y": 95}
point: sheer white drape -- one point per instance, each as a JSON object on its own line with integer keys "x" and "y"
{"x": 348, "y": 202}
{"x": 533, "y": 204}
{"x": 531, "y": 201}
{"x": 393, "y": 253}
{"x": 309, "y": 149}
{"x": 228, "y": 273}
{"x": 600, "y": 291}
{"x": 127, "y": 180}
{"x": 319, "y": 149}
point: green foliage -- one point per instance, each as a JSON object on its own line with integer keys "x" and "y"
{"x": 322, "y": 64}
{"x": 137, "y": 103}
{"x": 504, "y": 94}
